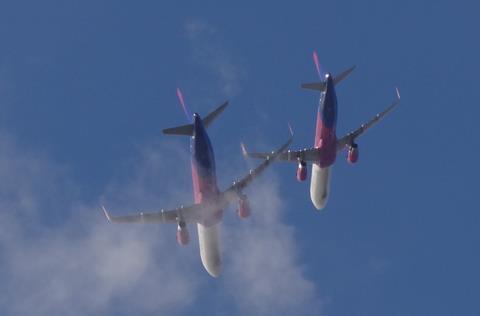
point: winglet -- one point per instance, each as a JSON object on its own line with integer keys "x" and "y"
{"x": 290, "y": 129}
{"x": 106, "y": 214}
{"x": 244, "y": 149}
{"x": 398, "y": 93}
{"x": 282, "y": 148}
{"x": 267, "y": 155}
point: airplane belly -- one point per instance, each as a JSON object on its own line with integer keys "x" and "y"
{"x": 319, "y": 186}
{"x": 210, "y": 248}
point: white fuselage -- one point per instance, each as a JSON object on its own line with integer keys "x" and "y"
{"x": 320, "y": 186}
{"x": 209, "y": 243}
{"x": 205, "y": 189}
{"x": 326, "y": 142}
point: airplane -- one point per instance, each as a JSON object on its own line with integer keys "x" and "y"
{"x": 207, "y": 211}
{"x": 326, "y": 146}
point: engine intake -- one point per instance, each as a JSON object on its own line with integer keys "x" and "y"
{"x": 243, "y": 210}
{"x": 302, "y": 171}
{"x": 182, "y": 234}
{"x": 352, "y": 156}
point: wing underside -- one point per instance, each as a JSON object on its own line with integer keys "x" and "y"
{"x": 307, "y": 154}
{"x": 350, "y": 137}
{"x": 187, "y": 214}
{"x": 312, "y": 154}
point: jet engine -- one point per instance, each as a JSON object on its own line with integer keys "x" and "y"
{"x": 182, "y": 234}
{"x": 352, "y": 156}
{"x": 302, "y": 171}
{"x": 243, "y": 210}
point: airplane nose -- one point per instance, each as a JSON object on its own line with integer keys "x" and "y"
{"x": 214, "y": 270}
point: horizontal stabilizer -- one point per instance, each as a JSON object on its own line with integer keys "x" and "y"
{"x": 343, "y": 75}
{"x": 320, "y": 86}
{"x": 187, "y": 130}
{"x": 213, "y": 115}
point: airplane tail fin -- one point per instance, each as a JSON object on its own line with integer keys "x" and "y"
{"x": 187, "y": 130}
{"x": 320, "y": 86}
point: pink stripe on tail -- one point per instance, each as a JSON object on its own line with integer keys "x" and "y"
{"x": 182, "y": 103}
{"x": 317, "y": 63}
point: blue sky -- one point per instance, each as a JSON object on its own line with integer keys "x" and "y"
{"x": 87, "y": 86}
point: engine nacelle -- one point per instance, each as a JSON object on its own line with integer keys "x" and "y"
{"x": 352, "y": 156}
{"x": 243, "y": 210}
{"x": 302, "y": 171}
{"x": 182, "y": 234}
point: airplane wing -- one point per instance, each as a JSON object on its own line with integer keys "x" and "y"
{"x": 350, "y": 137}
{"x": 307, "y": 154}
{"x": 189, "y": 214}
{"x": 233, "y": 191}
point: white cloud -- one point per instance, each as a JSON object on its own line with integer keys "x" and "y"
{"x": 81, "y": 265}
{"x": 78, "y": 264}
{"x": 262, "y": 272}
{"x": 207, "y": 51}
{"x": 59, "y": 256}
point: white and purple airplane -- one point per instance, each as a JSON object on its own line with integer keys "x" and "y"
{"x": 207, "y": 211}
{"x": 326, "y": 147}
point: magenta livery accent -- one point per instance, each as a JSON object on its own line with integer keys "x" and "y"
{"x": 182, "y": 103}
{"x": 317, "y": 63}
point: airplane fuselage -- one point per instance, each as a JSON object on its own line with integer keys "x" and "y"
{"x": 205, "y": 188}
{"x": 326, "y": 143}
